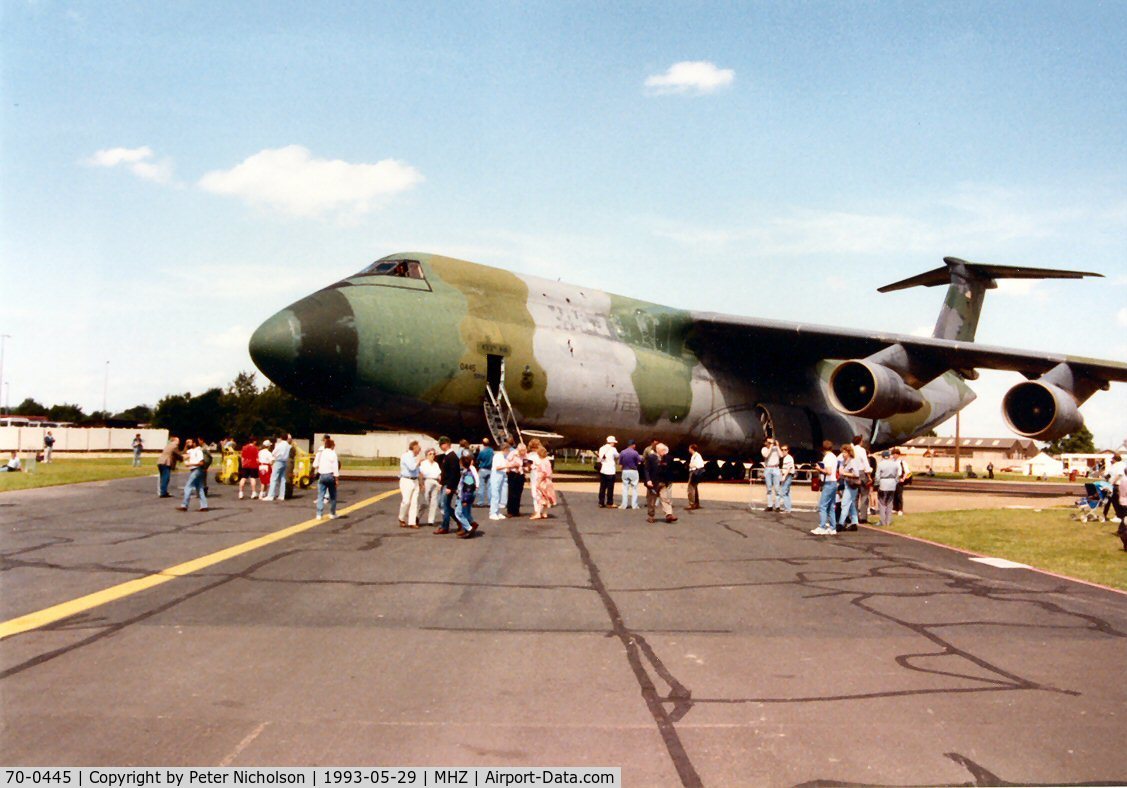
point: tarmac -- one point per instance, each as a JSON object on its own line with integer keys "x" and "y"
{"x": 729, "y": 648}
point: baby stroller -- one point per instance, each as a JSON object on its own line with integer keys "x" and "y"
{"x": 1088, "y": 507}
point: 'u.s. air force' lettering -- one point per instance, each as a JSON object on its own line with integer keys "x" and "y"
{"x": 433, "y": 344}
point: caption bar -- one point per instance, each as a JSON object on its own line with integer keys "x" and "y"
{"x": 143, "y": 777}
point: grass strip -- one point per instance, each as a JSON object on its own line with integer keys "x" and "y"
{"x": 1048, "y": 539}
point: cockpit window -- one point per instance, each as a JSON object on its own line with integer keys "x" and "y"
{"x": 405, "y": 269}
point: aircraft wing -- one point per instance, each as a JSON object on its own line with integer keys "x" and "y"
{"x": 746, "y": 345}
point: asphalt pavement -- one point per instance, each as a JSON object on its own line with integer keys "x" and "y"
{"x": 729, "y": 648}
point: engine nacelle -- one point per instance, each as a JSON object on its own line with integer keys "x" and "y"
{"x": 871, "y": 391}
{"x": 1039, "y": 410}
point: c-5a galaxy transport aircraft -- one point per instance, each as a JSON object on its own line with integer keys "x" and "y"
{"x": 437, "y": 345}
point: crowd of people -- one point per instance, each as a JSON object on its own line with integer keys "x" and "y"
{"x": 451, "y": 480}
{"x": 264, "y": 468}
{"x": 855, "y": 485}
{"x": 440, "y": 487}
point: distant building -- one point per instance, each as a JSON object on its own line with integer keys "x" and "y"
{"x": 1091, "y": 464}
{"x": 939, "y": 453}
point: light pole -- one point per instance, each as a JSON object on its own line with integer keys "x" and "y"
{"x": 105, "y": 390}
{"x": 2, "y": 338}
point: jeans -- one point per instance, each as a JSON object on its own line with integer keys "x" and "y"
{"x": 784, "y": 492}
{"x": 165, "y": 476}
{"x": 327, "y": 483}
{"x": 849, "y": 503}
{"x": 446, "y": 500}
{"x": 630, "y": 488}
{"x": 196, "y": 478}
{"x": 826, "y": 505}
{"x": 483, "y": 490}
{"x": 772, "y": 478}
{"x": 278, "y": 481}
{"x": 462, "y": 513}
{"x": 606, "y": 489}
{"x": 498, "y": 492}
{"x": 136, "y": 458}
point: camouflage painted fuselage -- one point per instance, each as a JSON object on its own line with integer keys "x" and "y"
{"x": 412, "y": 354}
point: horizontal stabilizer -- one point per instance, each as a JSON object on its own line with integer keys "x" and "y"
{"x": 985, "y": 272}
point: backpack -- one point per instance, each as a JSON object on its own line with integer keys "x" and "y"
{"x": 206, "y": 457}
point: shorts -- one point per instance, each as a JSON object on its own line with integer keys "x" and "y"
{"x": 248, "y": 473}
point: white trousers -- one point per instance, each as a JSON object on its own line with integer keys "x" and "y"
{"x": 409, "y": 508}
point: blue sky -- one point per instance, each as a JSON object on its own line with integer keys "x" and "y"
{"x": 174, "y": 173}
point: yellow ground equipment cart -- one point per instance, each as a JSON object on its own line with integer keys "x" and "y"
{"x": 228, "y": 472}
{"x": 302, "y": 468}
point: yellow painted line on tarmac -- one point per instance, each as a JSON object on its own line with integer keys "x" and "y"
{"x": 50, "y": 615}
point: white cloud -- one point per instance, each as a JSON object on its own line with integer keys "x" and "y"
{"x": 1121, "y": 316}
{"x": 140, "y": 161}
{"x": 1028, "y": 289}
{"x": 290, "y": 180}
{"x": 974, "y": 217}
{"x": 690, "y": 76}
{"x": 233, "y": 337}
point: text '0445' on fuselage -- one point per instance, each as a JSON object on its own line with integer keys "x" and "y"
{"x": 429, "y": 343}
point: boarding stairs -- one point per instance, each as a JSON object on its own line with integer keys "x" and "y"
{"x": 500, "y": 417}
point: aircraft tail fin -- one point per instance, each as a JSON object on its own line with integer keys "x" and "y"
{"x": 967, "y": 286}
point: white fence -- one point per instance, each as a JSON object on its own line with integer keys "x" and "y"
{"x": 88, "y": 439}
{"x": 378, "y": 444}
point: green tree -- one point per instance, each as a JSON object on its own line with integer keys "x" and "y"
{"x": 1079, "y": 442}
{"x": 240, "y": 400}
{"x": 66, "y": 412}
{"x": 30, "y": 407}
{"x": 186, "y": 416}
{"x": 142, "y": 414}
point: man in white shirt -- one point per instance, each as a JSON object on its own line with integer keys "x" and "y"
{"x": 196, "y": 476}
{"x": 827, "y": 523}
{"x": 861, "y": 454}
{"x": 771, "y": 475}
{"x": 278, "y": 473}
{"x": 1115, "y": 474}
{"x": 13, "y": 466}
{"x": 409, "y": 486}
{"x": 902, "y": 479}
{"x": 787, "y": 469}
{"x": 499, "y": 479}
{"x": 608, "y": 459}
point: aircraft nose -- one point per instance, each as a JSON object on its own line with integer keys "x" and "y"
{"x": 310, "y": 348}
{"x": 274, "y": 346}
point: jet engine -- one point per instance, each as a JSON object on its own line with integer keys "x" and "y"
{"x": 871, "y": 391}
{"x": 1040, "y": 410}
